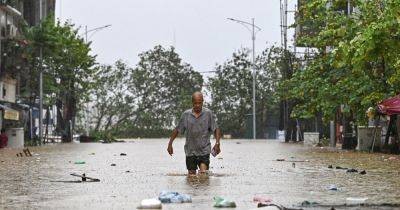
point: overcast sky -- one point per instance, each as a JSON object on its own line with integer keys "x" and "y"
{"x": 199, "y": 29}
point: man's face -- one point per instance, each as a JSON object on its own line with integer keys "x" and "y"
{"x": 197, "y": 103}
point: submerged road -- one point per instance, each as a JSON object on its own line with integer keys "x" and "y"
{"x": 244, "y": 169}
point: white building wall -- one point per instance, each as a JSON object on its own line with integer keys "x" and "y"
{"x": 8, "y": 88}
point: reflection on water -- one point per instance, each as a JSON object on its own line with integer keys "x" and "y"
{"x": 198, "y": 180}
{"x": 43, "y": 181}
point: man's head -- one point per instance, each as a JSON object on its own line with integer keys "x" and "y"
{"x": 197, "y": 101}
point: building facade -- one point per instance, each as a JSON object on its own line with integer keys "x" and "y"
{"x": 14, "y": 13}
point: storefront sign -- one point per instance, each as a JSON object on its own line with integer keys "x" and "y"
{"x": 11, "y": 115}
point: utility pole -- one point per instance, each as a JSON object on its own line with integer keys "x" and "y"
{"x": 254, "y": 81}
{"x": 41, "y": 79}
{"x": 284, "y": 13}
{"x": 94, "y": 30}
{"x": 253, "y": 38}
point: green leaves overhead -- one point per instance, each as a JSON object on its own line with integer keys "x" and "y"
{"x": 357, "y": 63}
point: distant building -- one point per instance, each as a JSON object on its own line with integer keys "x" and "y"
{"x": 31, "y": 10}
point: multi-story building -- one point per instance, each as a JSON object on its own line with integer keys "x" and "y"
{"x": 10, "y": 17}
{"x": 12, "y": 14}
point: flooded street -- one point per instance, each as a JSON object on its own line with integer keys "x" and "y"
{"x": 243, "y": 169}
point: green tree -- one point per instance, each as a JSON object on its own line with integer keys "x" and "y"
{"x": 148, "y": 99}
{"x": 231, "y": 91}
{"x": 357, "y": 60}
{"x": 67, "y": 69}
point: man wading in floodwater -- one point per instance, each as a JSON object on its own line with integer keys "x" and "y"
{"x": 197, "y": 124}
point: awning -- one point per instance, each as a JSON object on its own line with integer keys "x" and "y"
{"x": 10, "y": 114}
{"x": 390, "y": 106}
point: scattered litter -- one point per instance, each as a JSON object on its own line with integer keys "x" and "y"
{"x": 122, "y": 154}
{"x": 127, "y": 171}
{"x": 113, "y": 164}
{"x": 222, "y": 203}
{"x": 150, "y": 204}
{"x": 349, "y": 170}
{"x": 274, "y": 207}
{"x": 269, "y": 206}
{"x": 352, "y": 170}
{"x": 309, "y": 203}
{"x": 356, "y": 201}
{"x": 220, "y": 158}
{"x": 262, "y": 201}
{"x": 86, "y": 178}
{"x": 80, "y": 162}
{"x": 174, "y": 197}
{"x": 333, "y": 187}
{"x": 280, "y": 159}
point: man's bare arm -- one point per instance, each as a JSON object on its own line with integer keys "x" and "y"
{"x": 217, "y": 134}
{"x": 171, "y": 140}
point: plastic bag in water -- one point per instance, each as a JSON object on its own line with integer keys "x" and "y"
{"x": 223, "y": 203}
{"x": 174, "y": 197}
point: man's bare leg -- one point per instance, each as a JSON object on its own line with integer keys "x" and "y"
{"x": 191, "y": 172}
{"x": 203, "y": 168}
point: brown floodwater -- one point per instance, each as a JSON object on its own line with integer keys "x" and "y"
{"x": 244, "y": 169}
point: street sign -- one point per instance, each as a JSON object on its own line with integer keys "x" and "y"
{"x": 11, "y": 115}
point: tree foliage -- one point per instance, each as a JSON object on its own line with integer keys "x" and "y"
{"x": 231, "y": 91}
{"x": 66, "y": 64}
{"x": 357, "y": 60}
{"x": 145, "y": 100}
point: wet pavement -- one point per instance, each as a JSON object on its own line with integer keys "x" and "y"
{"x": 245, "y": 169}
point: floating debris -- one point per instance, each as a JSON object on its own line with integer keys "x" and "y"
{"x": 352, "y": 170}
{"x": 356, "y": 201}
{"x": 333, "y": 187}
{"x": 174, "y": 197}
{"x": 150, "y": 204}
{"x": 223, "y": 203}
{"x": 85, "y": 178}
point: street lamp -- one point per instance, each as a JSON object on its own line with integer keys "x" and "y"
{"x": 253, "y": 38}
{"x": 93, "y": 31}
{"x": 41, "y": 80}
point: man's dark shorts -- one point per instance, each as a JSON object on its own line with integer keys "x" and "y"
{"x": 192, "y": 162}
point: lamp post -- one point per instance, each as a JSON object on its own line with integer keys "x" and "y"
{"x": 253, "y": 38}
{"x": 94, "y": 30}
{"x": 41, "y": 80}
